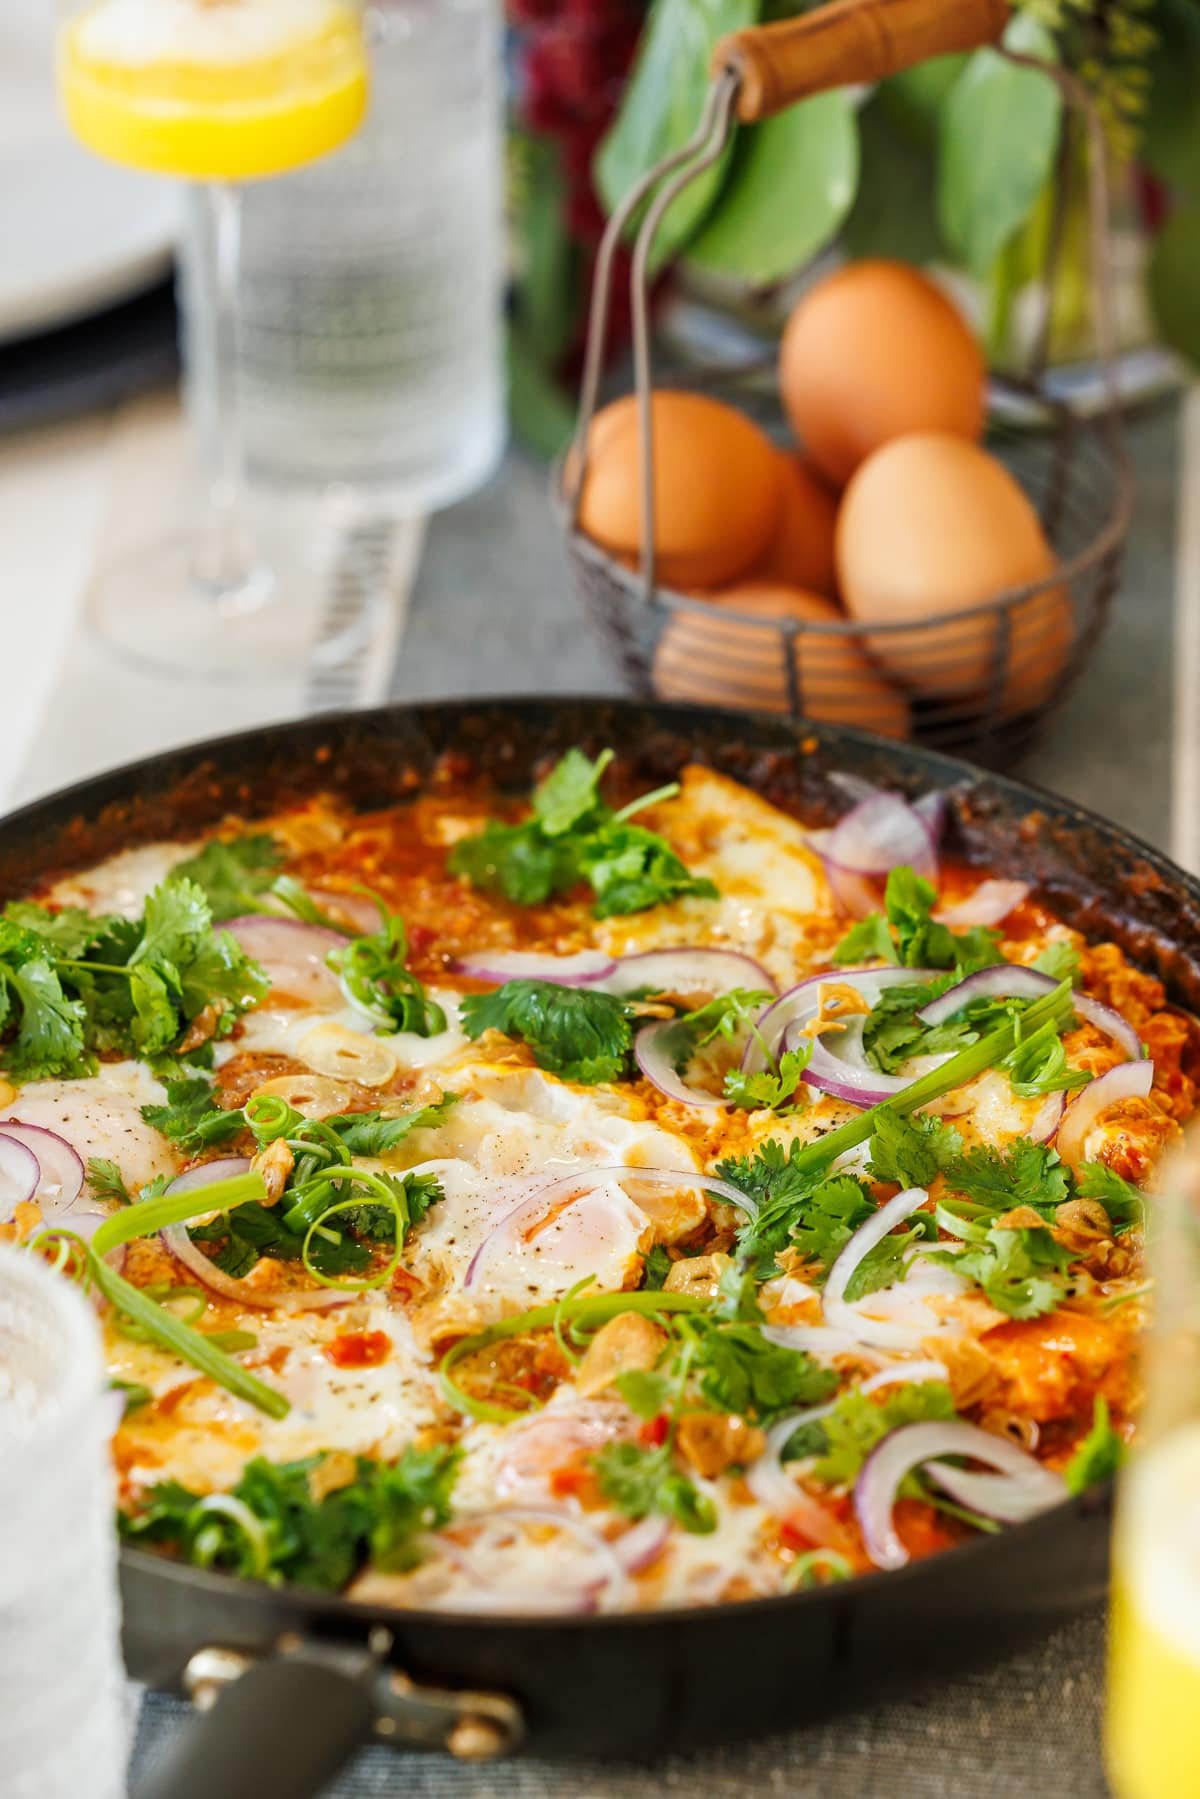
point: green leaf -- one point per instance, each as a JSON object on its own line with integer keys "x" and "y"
{"x": 655, "y": 1268}
{"x": 574, "y": 1032}
{"x": 233, "y": 875}
{"x": 632, "y": 868}
{"x": 1173, "y": 277}
{"x": 640, "y": 1480}
{"x": 1098, "y": 1456}
{"x": 50, "y": 1036}
{"x": 106, "y": 1180}
{"x": 894, "y": 213}
{"x": 1022, "y": 1272}
{"x": 845, "y": 1437}
{"x": 998, "y": 144}
{"x": 775, "y": 1089}
{"x": 1123, "y": 1202}
{"x": 999, "y": 1180}
{"x": 545, "y": 274}
{"x": 913, "y": 99}
{"x": 570, "y": 793}
{"x": 867, "y": 941}
{"x": 661, "y": 109}
{"x": 912, "y": 1152}
{"x": 740, "y": 1371}
{"x": 192, "y": 1118}
{"x": 790, "y": 186}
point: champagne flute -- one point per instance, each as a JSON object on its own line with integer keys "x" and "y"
{"x": 217, "y": 93}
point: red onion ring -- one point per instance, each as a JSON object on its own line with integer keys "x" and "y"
{"x": 1008, "y": 1498}
{"x": 701, "y": 970}
{"x": 991, "y": 902}
{"x": 1047, "y": 1118}
{"x": 292, "y": 953}
{"x": 902, "y": 1450}
{"x": 61, "y": 1179}
{"x": 583, "y": 969}
{"x": 244, "y": 1292}
{"x": 642, "y": 1544}
{"x": 19, "y": 1175}
{"x": 852, "y": 1080}
{"x": 1128, "y": 1080}
{"x": 85, "y": 1225}
{"x": 613, "y": 1576}
{"x": 652, "y": 1053}
{"x": 1009, "y": 980}
{"x": 877, "y": 1332}
{"x": 878, "y": 834}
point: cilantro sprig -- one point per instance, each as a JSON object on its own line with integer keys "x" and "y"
{"x": 73, "y": 986}
{"x": 281, "y": 1522}
{"x": 576, "y": 1032}
{"x": 906, "y": 933}
{"x": 574, "y": 836}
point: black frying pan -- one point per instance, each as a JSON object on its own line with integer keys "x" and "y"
{"x": 293, "y": 1681}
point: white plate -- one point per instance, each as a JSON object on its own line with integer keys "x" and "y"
{"x": 77, "y": 233}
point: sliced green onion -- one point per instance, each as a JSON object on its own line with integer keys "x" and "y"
{"x": 190, "y": 1345}
{"x": 817, "y": 1568}
{"x": 206, "y": 1543}
{"x": 149, "y": 1216}
{"x": 961, "y": 1068}
{"x": 594, "y": 1308}
{"x": 380, "y": 1196}
{"x": 232, "y": 1342}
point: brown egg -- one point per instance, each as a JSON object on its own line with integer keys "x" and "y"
{"x": 714, "y": 660}
{"x": 931, "y": 525}
{"x": 801, "y": 551}
{"x": 873, "y": 352}
{"x": 718, "y": 488}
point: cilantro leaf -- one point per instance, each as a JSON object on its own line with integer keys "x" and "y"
{"x": 575, "y": 1032}
{"x": 308, "y": 1534}
{"x": 867, "y": 941}
{"x": 1022, "y": 1272}
{"x": 1098, "y": 1456}
{"x": 645, "y": 1391}
{"x": 233, "y": 875}
{"x": 777, "y": 1089}
{"x": 639, "y": 1480}
{"x": 572, "y": 836}
{"x": 50, "y": 1034}
{"x": 106, "y": 1181}
{"x": 888, "y": 1261}
{"x": 655, "y": 1268}
{"x": 192, "y": 1118}
{"x": 815, "y": 1216}
{"x": 741, "y": 1371}
{"x": 375, "y": 1133}
{"x": 911, "y": 936}
{"x": 1023, "y": 1174}
{"x": 570, "y": 793}
{"x": 1124, "y": 1203}
{"x": 844, "y": 1437}
{"x": 518, "y": 861}
{"x": 66, "y": 933}
{"x": 1061, "y": 961}
{"x": 911, "y": 1151}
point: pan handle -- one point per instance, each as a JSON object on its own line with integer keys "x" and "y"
{"x": 848, "y": 42}
{"x": 281, "y": 1730}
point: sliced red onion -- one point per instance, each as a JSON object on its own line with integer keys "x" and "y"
{"x": 818, "y": 1340}
{"x": 488, "y": 1525}
{"x": 642, "y": 1544}
{"x": 85, "y": 1225}
{"x": 846, "y": 1075}
{"x": 292, "y": 953}
{"x": 355, "y": 908}
{"x": 707, "y": 971}
{"x": 1047, "y": 1118}
{"x": 838, "y": 1312}
{"x": 931, "y": 808}
{"x": 1009, "y": 980}
{"x": 990, "y": 902}
{"x": 19, "y": 1175}
{"x": 61, "y": 1179}
{"x": 654, "y": 1056}
{"x": 1109, "y": 1021}
{"x": 880, "y": 833}
{"x": 911, "y": 1445}
{"x": 524, "y": 1215}
{"x": 1008, "y": 1498}
{"x": 1128, "y": 1080}
{"x": 245, "y": 1292}
{"x": 582, "y": 969}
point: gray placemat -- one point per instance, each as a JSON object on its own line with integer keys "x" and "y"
{"x": 1029, "y": 1726}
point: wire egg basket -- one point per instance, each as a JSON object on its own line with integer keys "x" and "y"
{"x": 981, "y": 679}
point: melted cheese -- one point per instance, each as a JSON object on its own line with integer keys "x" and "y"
{"x": 121, "y": 883}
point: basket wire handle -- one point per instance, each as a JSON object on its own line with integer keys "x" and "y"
{"x": 763, "y": 70}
